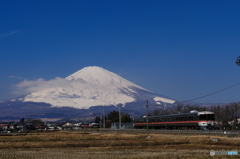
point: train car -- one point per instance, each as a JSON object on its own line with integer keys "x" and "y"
{"x": 193, "y": 120}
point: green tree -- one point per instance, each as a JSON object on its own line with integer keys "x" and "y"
{"x": 113, "y": 117}
{"x": 126, "y": 118}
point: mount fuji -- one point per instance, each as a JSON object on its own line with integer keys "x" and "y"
{"x": 94, "y": 86}
{"x": 87, "y": 91}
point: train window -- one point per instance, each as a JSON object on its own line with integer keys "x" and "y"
{"x": 139, "y": 121}
{"x": 210, "y": 117}
{"x": 207, "y": 117}
{"x": 181, "y": 119}
{"x": 196, "y": 118}
{"x": 203, "y": 117}
{"x": 190, "y": 118}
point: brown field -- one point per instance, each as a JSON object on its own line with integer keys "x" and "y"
{"x": 94, "y": 145}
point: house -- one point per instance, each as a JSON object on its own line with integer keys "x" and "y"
{"x": 3, "y": 127}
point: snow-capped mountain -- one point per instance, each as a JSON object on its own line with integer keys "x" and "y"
{"x": 94, "y": 86}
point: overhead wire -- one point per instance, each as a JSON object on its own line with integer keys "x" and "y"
{"x": 211, "y": 93}
{"x": 229, "y": 98}
{"x": 225, "y": 98}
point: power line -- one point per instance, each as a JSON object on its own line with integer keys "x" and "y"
{"x": 228, "y": 98}
{"x": 211, "y": 93}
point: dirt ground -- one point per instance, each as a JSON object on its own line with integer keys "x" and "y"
{"x": 66, "y": 144}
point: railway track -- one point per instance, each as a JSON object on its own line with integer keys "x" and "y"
{"x": 227, "y": 133}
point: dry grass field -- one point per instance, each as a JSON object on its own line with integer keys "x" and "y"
{"x": 95, "y": 145}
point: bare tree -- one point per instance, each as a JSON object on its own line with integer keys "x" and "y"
{"x": 190, "y": 107}
{"x": 160, "y": 111}
{"x": 185, "y": 108}
{"x": 234, "y": 114}
{"x": 218, "y": 113}
{"x": 178, "y": 108}
{"x": 226, "y": 114}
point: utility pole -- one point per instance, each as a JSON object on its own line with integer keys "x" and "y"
{"x": 147, "y": 116}
{"x": 103, "y": 119}
{"x": 119, "y": 107}
{"x": 147, "y": 113}
{"x": 120, "y": 123}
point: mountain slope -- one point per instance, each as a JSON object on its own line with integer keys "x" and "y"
{"x": 94, "y": 86}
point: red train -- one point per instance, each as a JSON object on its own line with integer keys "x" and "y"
{"x": 193, "y": 120}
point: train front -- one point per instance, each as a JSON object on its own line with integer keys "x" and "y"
{"x": 206, "y": 120}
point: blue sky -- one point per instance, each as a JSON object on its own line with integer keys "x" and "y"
{"x": 182, "y": 49}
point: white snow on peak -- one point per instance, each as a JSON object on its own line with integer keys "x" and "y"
{"x": 91, "y": 86}
{"x": 165, "y": 100}
{"x": 99, "y": 76}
